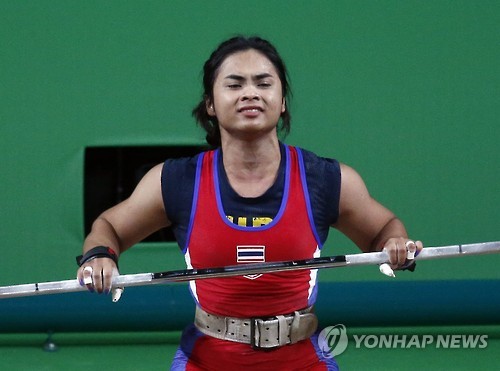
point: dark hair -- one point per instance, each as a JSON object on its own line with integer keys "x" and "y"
{"x": 210, "y": 69}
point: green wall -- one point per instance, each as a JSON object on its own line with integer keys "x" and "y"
{"x": 406, "y": 92}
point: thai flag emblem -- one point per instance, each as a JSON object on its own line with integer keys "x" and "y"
{"x": 251, "y": 254}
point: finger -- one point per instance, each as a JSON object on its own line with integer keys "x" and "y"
{"x": 79, "y": 277}
{"x": 390, "y": 249}
{"x": 396, "y": 250}
{"x": 97, "y": 280}
{"x": 411, "y": 249}
{"x": 107, "y": 279}
{"x": 402, "y": 253}
{"x": 87, "y": 275}
{"x": 420, "y": 246}
{"x": 87, "y": 278}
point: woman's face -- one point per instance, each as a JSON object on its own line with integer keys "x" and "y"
{"x": 247, "y": 96}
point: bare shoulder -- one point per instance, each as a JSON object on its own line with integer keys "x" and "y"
{"x": 154, "y": 173}
{"x": 148, "y": 191}
{"x": 140, "y": 214}
{"x": 355, "y": 199}
{"x": 361, "y": 217}
{"x": 352, "y": 184}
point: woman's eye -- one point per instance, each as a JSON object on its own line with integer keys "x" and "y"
{"x": 265, "y": 84}
{"x": 233, "y": 86}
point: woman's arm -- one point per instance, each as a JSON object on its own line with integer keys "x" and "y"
{"x": 370, "y": 225}
{"x": 122, "y": 226}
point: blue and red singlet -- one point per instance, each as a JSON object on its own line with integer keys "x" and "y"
{"x": 209, "y": 237}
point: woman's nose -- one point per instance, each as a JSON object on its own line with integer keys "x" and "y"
{"x": 250, "y": 94}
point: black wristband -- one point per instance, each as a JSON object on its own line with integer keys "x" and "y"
{"x": 97, "y": 252}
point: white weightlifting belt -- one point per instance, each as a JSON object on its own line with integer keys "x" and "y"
{"x": 259, "y": 332}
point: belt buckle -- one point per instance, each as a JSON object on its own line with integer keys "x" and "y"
{"x": 256, "y": 325}
{"x": 253, "y": 325}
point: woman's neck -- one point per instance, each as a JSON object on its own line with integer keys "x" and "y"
{"x": 251, "y": 167}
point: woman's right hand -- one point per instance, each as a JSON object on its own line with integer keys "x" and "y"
{"x": 97, "y": 275}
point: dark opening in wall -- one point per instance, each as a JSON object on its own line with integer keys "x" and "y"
{"x": 112, "y": 173}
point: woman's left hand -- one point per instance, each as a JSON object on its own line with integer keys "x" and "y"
{"x": 402, "y": 251}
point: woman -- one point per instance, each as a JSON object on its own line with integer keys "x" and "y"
{"x": 250, "y": 199}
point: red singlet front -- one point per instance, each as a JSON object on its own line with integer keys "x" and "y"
{"x": 214, "y": 241}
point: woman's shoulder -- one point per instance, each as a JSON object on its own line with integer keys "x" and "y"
{"x": 181, "y": 164}
{"x": 317, "y": 164}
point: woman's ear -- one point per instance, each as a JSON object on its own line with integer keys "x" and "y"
{"x": 283, "y": 106}
{"x": 210, "y": 107}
